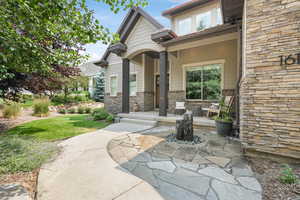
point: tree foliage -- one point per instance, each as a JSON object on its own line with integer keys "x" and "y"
{"x": 37, "y": 37}
{"x": 99, "y": 90}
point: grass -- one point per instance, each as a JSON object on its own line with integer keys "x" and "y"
{"x": 26, "y": 147}
{"x": 57, "y": 128}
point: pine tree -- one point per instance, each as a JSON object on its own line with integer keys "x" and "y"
{"x": 99, "y": 89}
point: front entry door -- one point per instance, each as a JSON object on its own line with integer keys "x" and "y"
{"x": 157, "y": 92}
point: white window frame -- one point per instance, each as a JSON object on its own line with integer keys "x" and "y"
{"x": 136, "y": 80}
{"x": 110, "y": 92}
{"x": 220, "y": 62}
{"x": 190, "y": 28}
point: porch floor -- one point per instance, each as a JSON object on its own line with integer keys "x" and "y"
{"x": 170, "y": 118}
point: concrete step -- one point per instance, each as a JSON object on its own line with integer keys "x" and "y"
{"x": 138, "y": 116}
{"x": 139, "y": 121}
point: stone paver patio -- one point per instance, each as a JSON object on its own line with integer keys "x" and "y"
{"x": 212, "y": 170}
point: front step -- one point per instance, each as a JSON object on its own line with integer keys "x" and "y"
{"x": 139, "y": 121}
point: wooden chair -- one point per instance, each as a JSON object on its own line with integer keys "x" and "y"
{"x": 216, "y": 108}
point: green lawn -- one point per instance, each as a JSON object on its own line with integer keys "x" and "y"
{"x": 27, "y": 146}
{"x": 57, "y": 128}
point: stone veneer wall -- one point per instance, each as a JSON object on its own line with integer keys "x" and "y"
{"x": 270, "y": 93}
{"x": 145, "y": 100}
{"x": 113, "y": 104}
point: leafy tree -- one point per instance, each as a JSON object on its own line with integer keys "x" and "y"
{"x": 99, "y": 89}
{"x": 37, "y": 37}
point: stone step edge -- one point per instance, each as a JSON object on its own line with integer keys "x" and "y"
{"x": 138, "y": 121}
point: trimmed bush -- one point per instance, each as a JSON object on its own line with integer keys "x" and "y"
{"x": 62, "y": 111}
{"x": 88, "y": 110}
{"x": 12, "y": 111}
{"x": 110, "y": 118}
{"x": 101, "y": 116}
{"x": 81, "y": 110}
{"x": 41, "y": 107}
{"x": 71, "y": 110}
{"x": 98, "y": 110}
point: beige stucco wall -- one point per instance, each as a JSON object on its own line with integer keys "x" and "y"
{"x": 226, "y": 51}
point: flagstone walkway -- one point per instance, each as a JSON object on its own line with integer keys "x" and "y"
{"x": 211, "y": 170}
{"x": 116, "y": 163}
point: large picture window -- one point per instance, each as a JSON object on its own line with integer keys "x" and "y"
{"x": 204, "y": 82}
{"x": 132, "y": 85}
{"x": 113, "y": 86}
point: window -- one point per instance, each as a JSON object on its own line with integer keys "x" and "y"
{"x": 204, "y": 82}
{"x": 219, "y": 16}
{"x": 203, "y": 21}
{"x": 185, "y": 26}
{"x": 208, "y": 19}
{"x": 132, "y": 85}
{"x": 113, "y": 86}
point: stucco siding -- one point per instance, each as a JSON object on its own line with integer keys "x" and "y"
{"x": 226, "y": 51}
{"x": 140, "y": 38}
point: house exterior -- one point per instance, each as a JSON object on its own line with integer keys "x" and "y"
{"x": 249, "y": 49}
{"x": 91, "y": 71}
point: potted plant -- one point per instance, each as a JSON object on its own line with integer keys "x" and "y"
{"x": 224, "y": 121}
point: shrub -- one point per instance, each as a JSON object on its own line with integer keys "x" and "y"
{"x": 41, "y": 107}
{"x": 287, "y": 176}
{"x": 88, "y": 110}
{"x": 110, "y": 118}
{"x": 62, "y": 111}
{"x": 80, "y": 98}
{"x": 72, "y": 110}
{"x": 101, "y": 116}
{"x": 81, "y": 110}
{"x": 98, "y": 110}
{"x": 12, "y": 111}
{"x": 58, "y": 99}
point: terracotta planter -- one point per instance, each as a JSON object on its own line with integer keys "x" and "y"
{"x": 224, "y": 128}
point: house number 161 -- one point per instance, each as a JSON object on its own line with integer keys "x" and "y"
{"x": 290, "y": 59}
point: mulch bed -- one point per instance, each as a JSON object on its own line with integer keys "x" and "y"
{"x": 268, "y": 173}
{"x": 27, "y": 179}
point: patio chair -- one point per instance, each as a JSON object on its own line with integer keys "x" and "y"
{"x": 180, "y": 108}
{"x": 215, "y": 108}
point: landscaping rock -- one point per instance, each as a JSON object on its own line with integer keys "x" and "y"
{"x": 13, "y": 192}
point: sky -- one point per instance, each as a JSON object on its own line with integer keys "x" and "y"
{"x": 112, "y": 21}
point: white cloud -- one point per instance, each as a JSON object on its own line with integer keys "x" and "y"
{"x": 95, "y": 51}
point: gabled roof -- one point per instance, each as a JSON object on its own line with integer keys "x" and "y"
{"x": 89, "y": 69}
{"x": 127, "y": 25}
{"x": 184, "y": 6}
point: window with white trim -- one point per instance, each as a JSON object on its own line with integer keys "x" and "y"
{"x": 208, "y": 19}
{"x": 185, "y": 26}
{"x": 132, "y": 85}
{"x": 203, "y": 82}
{"x": 113, "y": 86}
